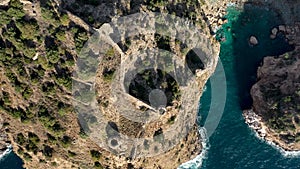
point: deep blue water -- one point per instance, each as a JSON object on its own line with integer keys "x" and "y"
{"x": 11, "y": 161}
{"x": 233, "y": 145}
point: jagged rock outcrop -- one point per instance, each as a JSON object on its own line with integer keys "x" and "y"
{"x": 276, "y": 95}
{"x": 253, "y": 41}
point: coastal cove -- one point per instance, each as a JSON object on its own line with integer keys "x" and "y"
{"x": 234, "y": 144}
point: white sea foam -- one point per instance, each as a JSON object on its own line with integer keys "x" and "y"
{"x": 204, "y": 88}
{"x": 288, "y": 154}
{"x": 6, "y": 152}
{"x": 231, "y": 4}
{"x": 197, "y": 161}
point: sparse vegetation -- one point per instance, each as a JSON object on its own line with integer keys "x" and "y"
{"x": 20, "y": 139}
{"x": 155, "y": 79}
{"x": 172, "y": 119}
{"x": 71, "y": 154}
{"x": 98, "y": 165}
{"x": 66, "y": 141}
{"x": 27, "y": 157}
{"x": 47, "y": 151}
{"x": 95, "y": 154}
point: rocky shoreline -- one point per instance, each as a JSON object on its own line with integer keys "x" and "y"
{"x": 5, "y": 151}
{"x": 5, "y": 146}
{"x": 255, "y": 122}
{"x": 264, "y": 133}
{"x": 214, "y": 13}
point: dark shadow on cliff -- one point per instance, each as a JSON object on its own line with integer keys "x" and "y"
{"x": 97, "y": 12}
{"x": 257, "y": 21}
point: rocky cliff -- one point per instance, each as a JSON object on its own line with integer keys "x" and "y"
{"x": 276, "y": 95}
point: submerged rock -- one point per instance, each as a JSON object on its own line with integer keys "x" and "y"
{"x": 282, "y": 28}
{"x": 253, "y": 41}
{"x": 274, "y": 33}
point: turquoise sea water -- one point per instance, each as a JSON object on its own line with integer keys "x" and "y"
{"x": 234, "y": 145}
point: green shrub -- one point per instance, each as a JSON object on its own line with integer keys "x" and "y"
{"x": 71, "y": 154}
{"x": 51, "y": 139}
{"x": 80, "y": 39}
{"x": 66, "y": 141}
{"x": 64, "y": 19}
{"x": 16, "y": 9}
{"x": 98, "y": 165}
{"x": 27, "y": 93}
{"x": 49, "y": 122}
{"x": 16, "y": 113}
{"x": 31, "y": 146}
{"x": 6, "y": 98}
{"x": 52, "y": 56}
{"x": 95, "y": 154}
{"x": 47, "y": 151}
{"x": 11, "y": 76}
{"x": 27, "y": 157}
{"x": 33, "y": 138}
{"x": 5, "y": 18}
{"x": 82, "y": 134}
{"x": 20, "y": 151}
{"x": 172, "y": 119}
{"x": 65, "y": 81}
{"x": 29, "y": 30}
{"x": 54, "y": 163}
{"x": 49, "y": 16}
{"x": 5, "y": 124}
{"x": 108, "y": 74}
{"x": 20, "y": 139}
{"x": 61, "y": 36}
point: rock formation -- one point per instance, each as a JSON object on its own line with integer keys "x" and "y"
{"x": 253, "y": 41}
{"x": 276, "y": 95}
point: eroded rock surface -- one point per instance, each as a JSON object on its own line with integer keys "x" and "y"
{"x": 276, "y": 95}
